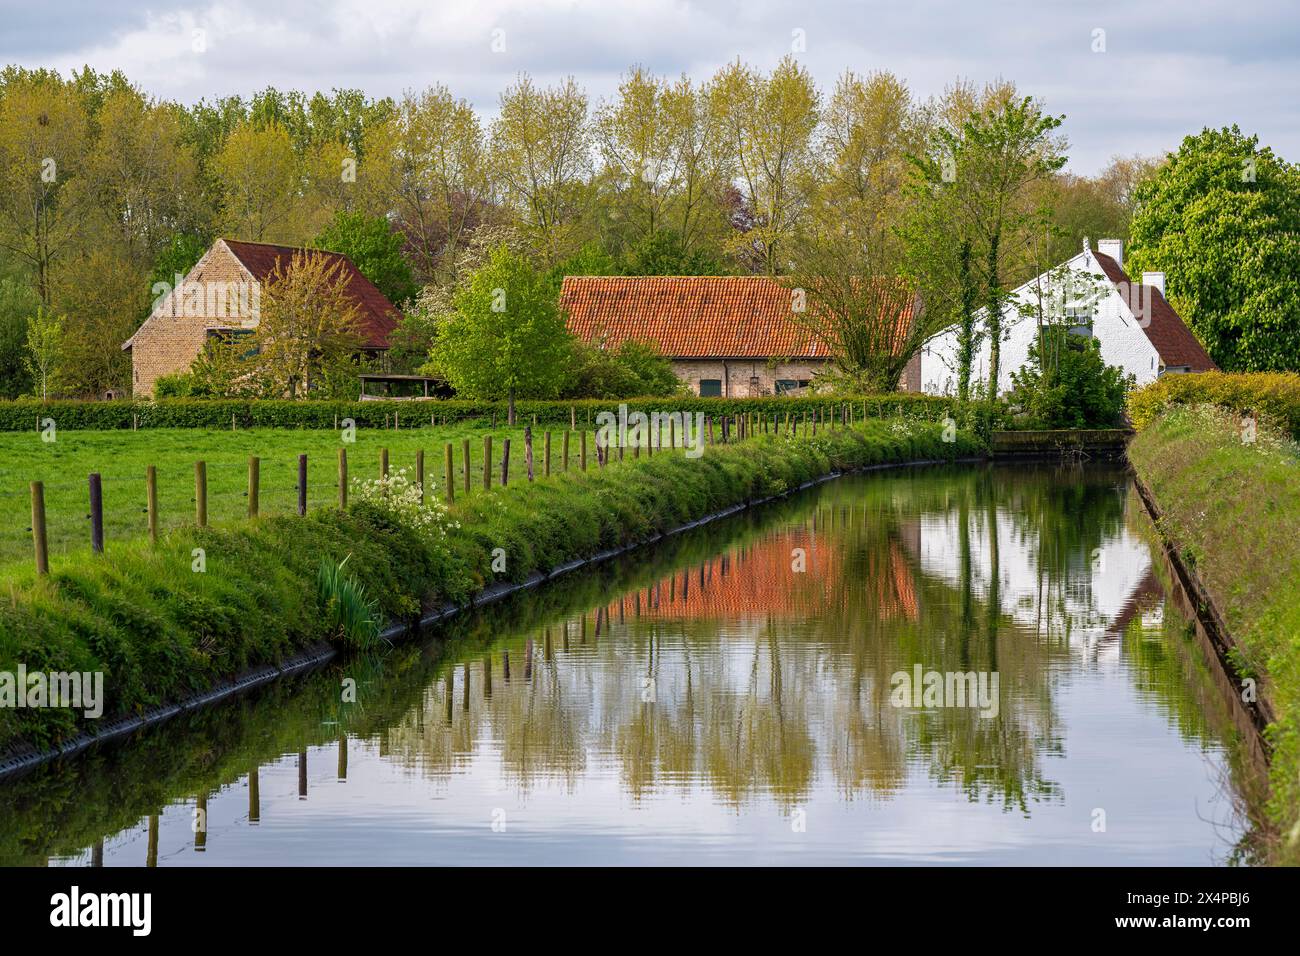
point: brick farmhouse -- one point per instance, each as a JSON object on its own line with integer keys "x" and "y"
{"x": 730, "y": 336}
{"x": 219, "y": 299}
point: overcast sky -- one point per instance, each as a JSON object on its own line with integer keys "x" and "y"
{"x": 1161, "y": 69}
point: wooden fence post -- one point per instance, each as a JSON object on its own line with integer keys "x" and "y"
{"x": 343, "y": 478}
{"x": 528, "y": 450}
{"x": 565, "y": 466}
{"x": 302, "y": 484}
{"x": 449, "y": 467}
{"x": 383, "y": 463}
{"x": 254, "y": 481}
{"x": 546, "y": 455}
{"x": 464, "y": 453}
{"x": 573, "y": 418}
{"x": 151, "y": 500}
{"x": 419, "y": 471}
{"x": 39, "y": 541}
{"x": 582, "y": 436}
{"x": 487, "y": 461}
{"x": 505, "y": 462}
{"x": 201, "y": 494}
{"x": 96, "y": 513}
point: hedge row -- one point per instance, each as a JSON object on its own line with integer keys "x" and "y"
{"x": 158, "y": 631}
{"x": 1273, "y": 395}
{"x": 26, "y": 414}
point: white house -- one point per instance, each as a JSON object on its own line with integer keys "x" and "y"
{"x": 1136, "y": 326}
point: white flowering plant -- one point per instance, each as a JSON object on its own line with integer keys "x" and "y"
{"x": 396, "y": 496}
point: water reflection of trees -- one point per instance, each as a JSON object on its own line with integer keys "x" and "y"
{"x": 763, "y": 677}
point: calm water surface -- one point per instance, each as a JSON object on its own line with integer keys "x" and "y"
{"x": 726, "y": 698}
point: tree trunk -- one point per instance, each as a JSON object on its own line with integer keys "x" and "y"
{"x": 966, "y": 330}
{"x": 994, "y": 317}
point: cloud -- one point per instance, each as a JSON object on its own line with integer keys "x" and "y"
{"x": 1167, "y": 69}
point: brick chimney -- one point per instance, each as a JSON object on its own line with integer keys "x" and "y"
{"x": 1155, "y": 280}
{"x": 1113, "y": 248}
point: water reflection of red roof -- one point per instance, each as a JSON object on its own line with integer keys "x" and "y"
{"x": 760, "y": 580}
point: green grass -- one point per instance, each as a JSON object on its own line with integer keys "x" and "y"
{"x": 1233, "y": 509}
{"x": 122, "y": 458}
{"x": 159, "y": 629}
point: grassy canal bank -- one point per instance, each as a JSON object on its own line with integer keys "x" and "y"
{"x": 1229, "y": 497}
{"x": 167, "y": 620}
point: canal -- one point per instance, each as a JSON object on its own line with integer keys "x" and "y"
{"x": 968, "y": 664}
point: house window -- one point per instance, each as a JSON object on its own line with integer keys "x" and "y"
{"x": 710, "y": 388}
{"x": 786, "y": 385}
{"x": 1079, "y": 320}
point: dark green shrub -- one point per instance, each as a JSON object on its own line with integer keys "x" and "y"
{"x": 1065, "y": 384}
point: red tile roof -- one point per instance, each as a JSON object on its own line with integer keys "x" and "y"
{"x": 694, "y": 316}
{"x": 1174, "y": 342}
{"x": 378, "y": 316}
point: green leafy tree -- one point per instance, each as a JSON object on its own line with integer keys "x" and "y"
{"x": 663, "y": 253}
{"x": 1093, "y": 207}
{"x": 845, "y": 284}
{"x": 590, "y": 260}
{"x": 375, "y": 249}
{"x": 44, "y": 357}
{"x": 427, "y": 167}
{"x": 1222, "y": 221}
{"x": 178, "y": 257}
{"x": 541, "y": 160}
{"x": 505, "y": 336}
{"x": 44, "y": 196}
{"x": 1065, "y": 383}
{"x": 632, "y": 370}
{"x": 988, "y": 155}
{"x": 261, "y": 183}
{"x": 766, "y": 127}
{"x": 17, "y": 304}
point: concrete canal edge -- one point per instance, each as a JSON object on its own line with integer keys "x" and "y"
{"x": 17, "y": 762}
{"x": 1082, "y": 443}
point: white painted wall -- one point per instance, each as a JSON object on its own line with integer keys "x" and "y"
{"x": 1123, "y": 342}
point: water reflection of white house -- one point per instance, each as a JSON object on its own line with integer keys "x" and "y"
{"x": 1097, "y": 596}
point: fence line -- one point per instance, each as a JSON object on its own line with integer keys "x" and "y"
{"x": 729, "y": 428}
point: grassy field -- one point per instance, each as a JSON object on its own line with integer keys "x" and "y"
{"x": 122, "y": 457}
